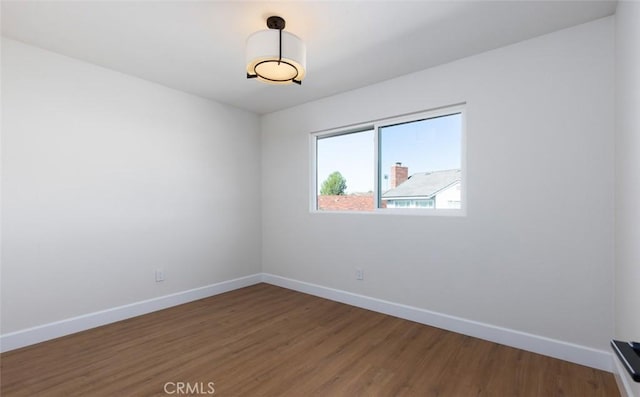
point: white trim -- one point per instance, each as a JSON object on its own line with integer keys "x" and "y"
{"x": 313, "y": 174}
{"x": 41, "y": 333}
{"x": 377, "y": 168}
{"x": 622, "y": 378}
{"x": 582, "y": 355}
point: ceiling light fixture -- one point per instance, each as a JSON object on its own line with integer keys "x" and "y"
{"x": 274, "y": 56}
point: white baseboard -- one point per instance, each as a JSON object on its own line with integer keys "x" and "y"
{"x": 534, "y": 343}
{"x": 623, "y": 379}
{"x": 550, "y": 347}
{"x": 29, "y": 336}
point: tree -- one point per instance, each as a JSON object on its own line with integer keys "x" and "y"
{"x": 334, "y": 185}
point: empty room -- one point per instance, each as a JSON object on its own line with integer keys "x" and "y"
{"x": 320, "y": 198}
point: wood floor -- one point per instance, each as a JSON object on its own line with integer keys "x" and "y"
{"x": 268, "y": 341}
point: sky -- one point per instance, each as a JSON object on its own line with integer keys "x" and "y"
{"x": 423, "y": 146}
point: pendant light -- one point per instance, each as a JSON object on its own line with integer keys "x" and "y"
{"x": 274, "y": 56}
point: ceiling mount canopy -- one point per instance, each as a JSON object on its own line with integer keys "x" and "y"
{"x": 274, "y": 56}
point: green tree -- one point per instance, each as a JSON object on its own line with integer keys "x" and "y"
{"x": 334, "y": 185}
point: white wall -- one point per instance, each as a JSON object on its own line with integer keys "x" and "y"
{"x": 627, "y": 227}
{"x": 106, "y": 177}
{"x": 539, "y": 121}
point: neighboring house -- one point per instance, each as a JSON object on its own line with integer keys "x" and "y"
{"x": 436, "y": 189}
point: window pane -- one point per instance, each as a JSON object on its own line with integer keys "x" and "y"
{"x": 420, "y": 163}
{"x": 345, "y": 172}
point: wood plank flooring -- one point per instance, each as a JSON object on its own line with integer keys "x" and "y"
{"x": 268, "y": 341}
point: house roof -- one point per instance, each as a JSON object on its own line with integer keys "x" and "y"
{"x": 423, "y": 184}
{"x": 346, "y": 202}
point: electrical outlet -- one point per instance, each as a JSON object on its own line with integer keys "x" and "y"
{"x": 359, "y": 274}
{"x": 159, "y": 275}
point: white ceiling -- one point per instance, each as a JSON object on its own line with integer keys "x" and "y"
{"x": 198, "y": 46}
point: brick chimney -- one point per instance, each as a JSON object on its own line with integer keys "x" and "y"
{"x": 399, "y": 174}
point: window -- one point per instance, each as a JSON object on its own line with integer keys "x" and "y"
{"x": 347, "y": 157}
{"x": 411, "y": 164}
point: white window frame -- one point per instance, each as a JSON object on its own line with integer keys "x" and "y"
{"x": 376, "y": 125}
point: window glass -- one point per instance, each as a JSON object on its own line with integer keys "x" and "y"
{"x": 420, "y": 163}
{"x": 345, "y": 172}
